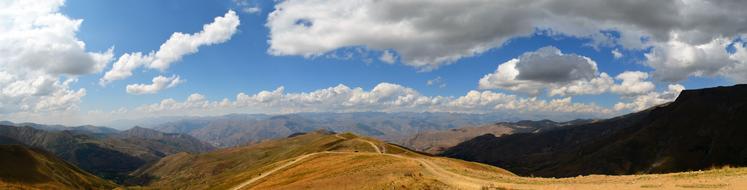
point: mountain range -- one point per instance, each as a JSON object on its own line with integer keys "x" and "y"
{"x": 81, "y": 129}
{"x": 328, "y": 160}
{"x": 239, "y": 129}
{"x": 701, "y": 129}
{"x": 111, "y": 156}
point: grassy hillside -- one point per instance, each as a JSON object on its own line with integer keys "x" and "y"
{"x": 322, "y": 160}
{"x": 26, "y": 168}
{"x": 316, "y": 159}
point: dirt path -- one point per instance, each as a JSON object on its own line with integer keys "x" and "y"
{"x": 448, "y": 177}
{"x": 374, "y": 146}
{"x": 265, "y": 174}
{"x": 455, "y": 180}
{"x": 378, "y": 150}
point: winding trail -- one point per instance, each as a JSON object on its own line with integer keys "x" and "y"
{"x": 374, "y": 146}
{"x": 295, "y": 160}
{"x": 453, "y": 179}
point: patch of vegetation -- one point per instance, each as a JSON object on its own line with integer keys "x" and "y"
{"x": 651, "y": 186}
{"x": 718, "y": 185}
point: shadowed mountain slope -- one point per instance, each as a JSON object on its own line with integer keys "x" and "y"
{"x": 111, "y": 156}
{"x": 700, "y": 129}
{"x": 29, "y": 168}
{"x": 435, "y": 142}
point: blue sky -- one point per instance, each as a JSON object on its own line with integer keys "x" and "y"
{"x": 244, "y": 63}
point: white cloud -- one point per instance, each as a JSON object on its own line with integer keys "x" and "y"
{"x": 429, "y": 34}
{"x": 35, "y": 37}
{"x": 597, "y": 85}
{"x": 124, "y": 66}
{"x": 252, "y": 10}
{"x": 617, "y": 54}
{"x": 438, "y": 81}
{"x": 737, "y": 71}
{"x": 177, "y": 46}
{"x": 248, "y": 7}
{"x": 633, "y": 83}
{"x": 180, "y": 44}
{"x": 645, "y": 101}
{"x": 159, "y": 83}
{"x": 385, "y": 97}
{"x": 40, "y": 58}
{"x": 548, "y": 68}
{"x": 388, "y": 57}
{"x": 675, "y": 60}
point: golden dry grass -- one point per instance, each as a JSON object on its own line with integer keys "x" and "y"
{"x": 347, "y": 161}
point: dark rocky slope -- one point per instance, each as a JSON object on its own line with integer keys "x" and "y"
{"x": 701, "y": 129}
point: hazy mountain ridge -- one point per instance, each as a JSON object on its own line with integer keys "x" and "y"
{"x": 83, "y": 128}
{"x": 238, "y": 129}
{"x": 700, "y": 129}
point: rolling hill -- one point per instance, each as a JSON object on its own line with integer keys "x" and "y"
{"x": 319, "y": 159}
{"x": 325, "y": 160}
{"x": 701, "y": 129}
{"x": 29, "y": 168}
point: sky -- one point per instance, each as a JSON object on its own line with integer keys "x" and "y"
{"x": 96, "y": 61}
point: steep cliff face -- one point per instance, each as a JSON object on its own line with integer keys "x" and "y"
{"x": 700, "y": 129}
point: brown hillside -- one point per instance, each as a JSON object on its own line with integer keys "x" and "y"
{"x": 319, "y": 160}
{"x": 27, "y": 168}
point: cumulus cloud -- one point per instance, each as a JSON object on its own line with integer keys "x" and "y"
{"x": 429, "y": 34}
{"x": 737, "y": 71}
{"x": 548, "y": 64}
{"x": 177, "y": 46}
{"x": 633, "y": 83}
{"x": 616, "y": 53}
{"x": 548, "y": 68}
{"x": 675, "y": 60}
{"x": 41, "y": 57}
{"x": 159, "y": 83}
{"x": 645, "y": 101}
{"x": 388, "y": 57}
{"x": 385, "y": 97}
{"x": 559, "y": 74}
